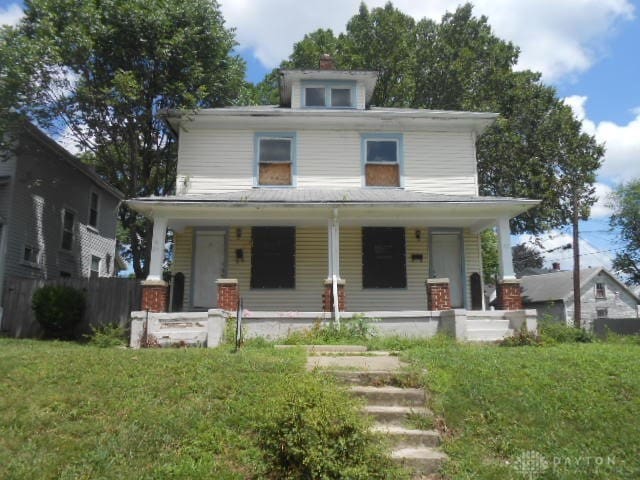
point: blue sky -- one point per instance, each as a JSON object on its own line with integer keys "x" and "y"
{"x": 587, "y": 49}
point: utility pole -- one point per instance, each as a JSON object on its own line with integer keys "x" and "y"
{"x": 577, "y": 307}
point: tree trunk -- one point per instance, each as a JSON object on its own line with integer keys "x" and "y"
{"x": 577, "y": 307}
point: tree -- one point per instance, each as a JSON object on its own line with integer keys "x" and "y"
{"x": 625, "y": 202}
{"x": 460, "y": 64}
{"x": 490, "y": 262}
{"x": 524, "y": 257}
{"x": 109, "y": 67}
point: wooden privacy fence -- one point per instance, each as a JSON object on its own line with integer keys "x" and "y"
{"x": 109, "y": 300}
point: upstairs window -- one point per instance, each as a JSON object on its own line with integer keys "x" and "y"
{"x": 382, "y": 161}
{"x": 93, "y": 209}
{"x": 275, "y": 160}
{"x": 95, "y": 267}
{"x": 273, "y": 257}
{"x": 600, "y": 290}
{"x": 327, "y": 96}
{"x": 384, "y": 262}
{"x": 68, "y": 220}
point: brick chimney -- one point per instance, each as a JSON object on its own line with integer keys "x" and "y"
{"x": 556, "y": 266}
{"x": 327, "y": 63}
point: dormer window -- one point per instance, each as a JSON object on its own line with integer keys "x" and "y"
{"x": 329, "y": 96}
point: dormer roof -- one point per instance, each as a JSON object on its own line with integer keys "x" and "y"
{"x": 366, "y": 78}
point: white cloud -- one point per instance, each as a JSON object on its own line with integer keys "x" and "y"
{"x": 557, "y": 38}
{"x": 553, "y": 248}
{"x": 622, "y": 142}
{"x": 11, "y": 14}
{"x": 600, "y": 209}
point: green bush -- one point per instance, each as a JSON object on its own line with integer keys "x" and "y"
{"x": 557, "y": 332}
{"x": 105, "y": 336}
{"x": 523, "y": 338}
{"x": 316, "y": 432}
{"x": 58, "y": 309}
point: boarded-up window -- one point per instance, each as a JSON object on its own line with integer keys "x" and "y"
{"x": 273, "y": 257}
{"x": 384, "y": 262}
{"x": 274, "y": 161}
{"x": 382, "y": 165}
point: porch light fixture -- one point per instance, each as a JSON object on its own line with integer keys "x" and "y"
{"x": 418, "y": 234}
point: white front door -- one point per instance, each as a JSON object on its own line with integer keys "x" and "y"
{"x": 208, "y": 267}
{"x": 446, "y": 262}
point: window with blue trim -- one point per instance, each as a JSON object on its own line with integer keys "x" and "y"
{"x": 275, "y": 160}
{"x": 329, "y": 96}
{"x": 382, "y": 156}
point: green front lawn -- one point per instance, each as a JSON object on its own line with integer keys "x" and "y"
{"x": 577, "y": 405}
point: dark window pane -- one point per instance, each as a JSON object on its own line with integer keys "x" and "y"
{"x": 93, "y": 210}
{"x": 67, "y": 240}
{"x": 383, "y": 258}
{"x": 273, "y": 253}
{"x": 382, "y": 151}
{"x": 314, "y": 97}
{"x": 340, "y": 97}
{"x": 275, "y": 150}
{"x": 68, "y": 220}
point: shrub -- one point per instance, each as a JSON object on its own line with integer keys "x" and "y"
{"x": 556, "y": 332}
{"x": 316, "y": 432}
{"x": 58, "y": 309}
{"x": 523, "y": 338}
{"x": 357, "y": 329}
{"x": 105, "y": 336}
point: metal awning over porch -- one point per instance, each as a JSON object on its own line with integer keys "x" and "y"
{"x": 357, "y": 206}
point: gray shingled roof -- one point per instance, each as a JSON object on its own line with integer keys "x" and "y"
{"x": 558, "y": 285}
{"x": 341, "y": 196}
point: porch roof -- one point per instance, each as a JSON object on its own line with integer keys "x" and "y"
{"x": 298, "y": 206}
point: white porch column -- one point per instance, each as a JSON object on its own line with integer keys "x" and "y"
{"x": 334, "y": 246}
{"x": 157, "y": 249}
{"x": 504, "y": 250}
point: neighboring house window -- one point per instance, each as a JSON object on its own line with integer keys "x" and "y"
{"x": 382, "y": 158}
{"x": 600, "y": 290}
{"x": 95, "y": 267}
{"x": 602, "y": 312}
{"x": 31, "y": 255}
{"x": 93, "y": 210}
{"x": 273, "y": 257}
{"x": 329, "y": 96}
{"x": 65, "y": 275}
{"x": 275, "y": 158}
{"x": 384, "y": 262}
{"x": 68, "y": 219}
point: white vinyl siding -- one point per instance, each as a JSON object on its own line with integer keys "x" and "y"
{"x": 223, "y": 160}
{"x": 472, "y": 261}
{"x": 183, "y": 261}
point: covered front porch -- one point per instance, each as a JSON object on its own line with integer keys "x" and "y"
{"x": 286, "y": 250}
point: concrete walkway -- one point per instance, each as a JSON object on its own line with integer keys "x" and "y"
{"x": 370, "y": 377}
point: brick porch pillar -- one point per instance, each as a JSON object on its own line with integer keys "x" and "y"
{"x": 155, "y": 296}
{"x": 228, "y": 293}
{"x": 438, "y": 294}
{"x": 509, "y": 295}
{"x": 327, "y": 296}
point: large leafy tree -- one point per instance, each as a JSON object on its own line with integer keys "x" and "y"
{"x": 536, "y": 148}
{"x": 625, "y": 202}
{"x": 108, "y": 67}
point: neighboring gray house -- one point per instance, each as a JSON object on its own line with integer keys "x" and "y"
{"x": 57, "y": 216}
{"x": 602, "y": 295}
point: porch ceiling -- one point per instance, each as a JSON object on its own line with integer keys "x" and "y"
{"x": 357, "y": 207}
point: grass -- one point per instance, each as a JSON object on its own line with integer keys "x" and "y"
{"x": 577, "y": 405}
{"x": 83, "y": 412}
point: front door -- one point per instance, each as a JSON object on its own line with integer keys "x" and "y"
{"x": 446, "y": 262}
{"x": 208, "y": 267}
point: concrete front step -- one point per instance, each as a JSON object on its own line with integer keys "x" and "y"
{"x": 367, "y": 377}
{"x": 328, "y": 348}
{"x": 402, "y": 437}
{"x": 421, "y": 460}
{"x": 394, "y": 415}
{"x": 488, "y": 334}
{"x": 391, "y": 396}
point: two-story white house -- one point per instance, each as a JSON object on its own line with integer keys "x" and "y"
{"x": 326, "y": 196}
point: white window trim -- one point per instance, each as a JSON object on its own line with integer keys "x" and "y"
{"x": 398, "y": 138}
{"x": 259, "y": 136}
{"x": 100, "y": 264}
{"x": 97, "y": 194}
{"x": 73, "y": 228}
